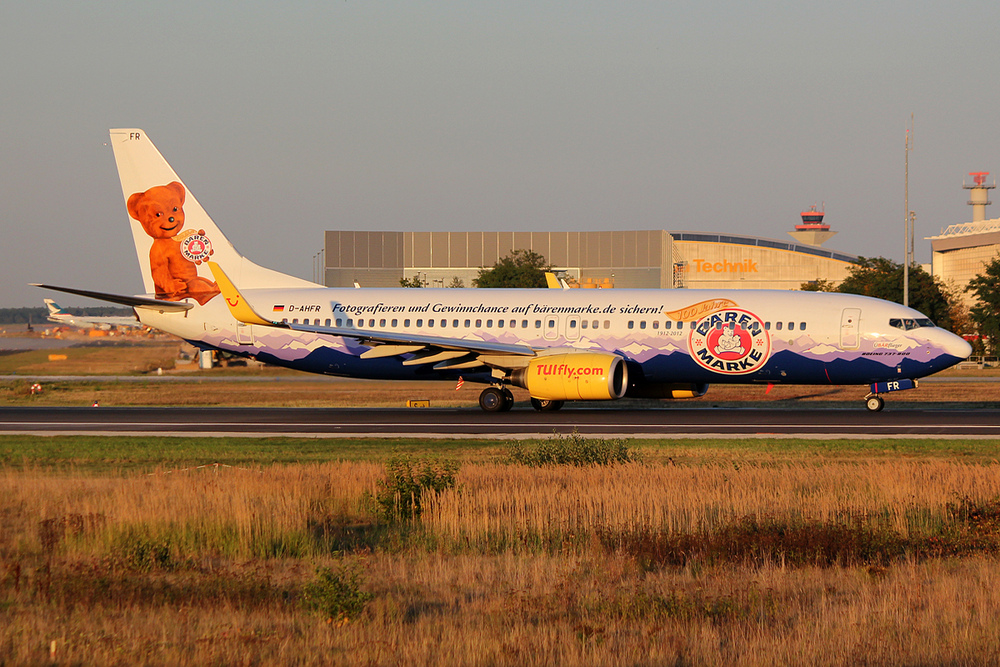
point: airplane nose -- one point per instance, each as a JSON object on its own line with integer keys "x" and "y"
{"x": 957, "y": 346}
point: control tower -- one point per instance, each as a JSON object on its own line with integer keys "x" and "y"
{"x": 979, "y": 194}
{"x": 812, "y": 231}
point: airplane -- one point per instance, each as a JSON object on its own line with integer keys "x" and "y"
{"x": 559, "y": 344}
{"x": 59, "y": 315}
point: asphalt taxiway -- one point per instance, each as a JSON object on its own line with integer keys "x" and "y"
{"x": 472, "y": 422}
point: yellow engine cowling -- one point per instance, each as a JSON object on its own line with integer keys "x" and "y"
{"x": 574, "y": 376}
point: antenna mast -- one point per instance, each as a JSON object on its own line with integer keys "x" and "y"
{"x": 908, "y": 218}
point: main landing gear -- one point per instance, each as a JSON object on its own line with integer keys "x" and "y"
{"x": 545, "y": 405}
{"x": 496, "y": 399}
{"x": 874, "y": 402}
{"x": 500, "y": 399}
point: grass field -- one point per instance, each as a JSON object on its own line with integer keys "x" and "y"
{"x": 124, "y": 551}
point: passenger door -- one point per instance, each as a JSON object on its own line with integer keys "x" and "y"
{"x": 850, "y": 329}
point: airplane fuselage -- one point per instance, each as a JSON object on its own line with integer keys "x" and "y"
{"x": 666, "y": 336}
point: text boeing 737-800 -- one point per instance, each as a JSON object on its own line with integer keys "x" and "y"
{"x": 559, "y": 344}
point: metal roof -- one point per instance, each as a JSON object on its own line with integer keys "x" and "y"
{"x": 969, "y": 228}
{"x": 763, "y": 243}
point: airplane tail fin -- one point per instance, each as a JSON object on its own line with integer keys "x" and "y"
{"x": 174, "y": 236}
{"x": 54, "y": 308}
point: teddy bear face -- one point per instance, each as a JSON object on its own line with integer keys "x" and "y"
{"x": 159, "y": 210}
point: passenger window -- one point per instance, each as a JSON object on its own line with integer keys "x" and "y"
{"x": 420, "y": 323}
{"x": 583, "y": 324}
{"x": 631, "y": 324}
{"x": 596, "y": 323}
{"x": 328, "y": 322}
{"x": 791, "y": 325}
{"x": 479, "y": 324}
{"x": 381, "y": 323}
{"x": 513, "y": 324}
{"x": 284, "y": 321}
{"x": 454, "y": 323}
{"x": 444, "y": 323}
{"x": 802, "y": 326}
{"x": 395, "y": 323}
{"x": 489, "y": 324}
{"x": 468, "y": 324}
{"x": 642, "y": 324}
{"x": 607, "y": 324}
{"x": 499, "y": 324}
{"x": 350, "y": 322}
{"x": 667, "y": 324}
{"x": 680, "y": 325}
{"x": 656, "y": 324}
{"x": 538, "y": 324}
{"x": 524, "y": 324}
{"x": 718, "y": 326}
{"x": 572, "y": 324}
{"x": 295, "y": 321}
{"x": 777, "y": 326}
{"x": 767, "y": 326}
{"x": 406, "y": 323}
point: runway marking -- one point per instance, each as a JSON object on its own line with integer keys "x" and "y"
{"x": 491, "y": 427}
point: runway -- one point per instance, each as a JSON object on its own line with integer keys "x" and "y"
{"x": 472, "y": 422}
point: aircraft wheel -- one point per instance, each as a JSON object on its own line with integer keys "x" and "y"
{"x": 493, "y": 400}
{"x": 875, "y": 403}
{"x": 545, "y": 405}
{"x": 508, "y": 399}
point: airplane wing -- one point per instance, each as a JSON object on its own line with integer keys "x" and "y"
{"x": 445, "y": 353}
{"x": 134, "y": 301}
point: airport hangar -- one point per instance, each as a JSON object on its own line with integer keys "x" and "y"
{"x": 960, "y": 251}
{"x": 656, "y": 259}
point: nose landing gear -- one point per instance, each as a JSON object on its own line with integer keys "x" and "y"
{"x": 874, "y": 402}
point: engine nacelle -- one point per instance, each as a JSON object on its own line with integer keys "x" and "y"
{"x": 574, "y": 376}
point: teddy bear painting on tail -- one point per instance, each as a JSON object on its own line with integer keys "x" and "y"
{"x": 175, "y": 253}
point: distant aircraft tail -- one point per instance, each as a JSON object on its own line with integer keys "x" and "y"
{"x": 174, "y": 236}
{"x": 54, "y": 308}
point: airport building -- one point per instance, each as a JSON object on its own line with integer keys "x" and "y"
{"x": 623, "y": 259}
{"x": 961, "y": 251}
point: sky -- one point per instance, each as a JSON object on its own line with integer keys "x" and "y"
{"x": 289, "y": 119}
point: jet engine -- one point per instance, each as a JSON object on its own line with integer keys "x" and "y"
{"x": 574, "y": 376}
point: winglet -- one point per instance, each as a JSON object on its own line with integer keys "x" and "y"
{"x": 238, "y": 306}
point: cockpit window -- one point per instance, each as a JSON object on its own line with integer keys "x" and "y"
{"x": 908, "y": 323}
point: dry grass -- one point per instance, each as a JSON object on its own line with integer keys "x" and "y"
{"x": 279, "y": 391}
{"x": 514, "y": 566}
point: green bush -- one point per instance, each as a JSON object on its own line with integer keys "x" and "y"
{"x": 574, "y": 450}
{"x": 141, "y": 553}
{"x": 337, "y": 594}
{"x": 401, "y": 494}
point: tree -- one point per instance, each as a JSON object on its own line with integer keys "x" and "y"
{"x": 521, "y": 268}
{"x": 986, "y": 313}
{"x": 415, "y": 281}
{"x": 882, "y": 278}
{"x": 818, "y": 286}
{"x": 457, "y": 283}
